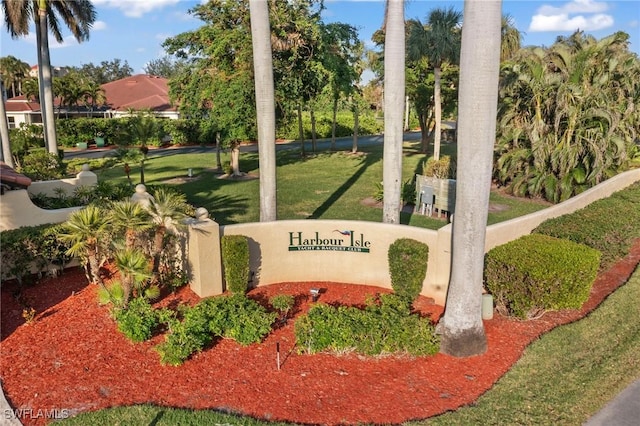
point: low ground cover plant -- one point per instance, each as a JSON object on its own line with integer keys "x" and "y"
{"x": 536, "y": 273}
{"x": 385, "y": 326}
{"x": 232, "y": 316}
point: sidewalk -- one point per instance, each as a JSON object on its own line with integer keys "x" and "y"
{"x": 624, "y": 410}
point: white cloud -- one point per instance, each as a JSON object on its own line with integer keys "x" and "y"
{"x": 135, "y": 8}
{"x": 588, "y": 16}
{"x": 99, "y": 26}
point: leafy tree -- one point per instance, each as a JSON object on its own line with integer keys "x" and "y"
{"x": 134, "y": 271}
{"x": 511, "y": 38}
{"x": 107, "y": 71}
{"x": 78, "y": 15}
{"x": 461, "y": 326}
{"x": 342, "y": 58}
{"x": 166, "y": 67}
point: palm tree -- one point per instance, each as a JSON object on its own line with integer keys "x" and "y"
{"x": 13, "y": 72}
{"x": 85, "y": 230}
{"x": 167, "y": 209}
{"x": 511, "y": 38}
{"x": 131, "y": 217}
{"x": 439, "y": 41}
{"x": 134, "y": 271}
{"x": 5, "y": 153}
{"x": 78, "y": 15}
{"x": 461, "y": 327}
{"x": 265, "y": 107}
{"x": 394, "y": 51}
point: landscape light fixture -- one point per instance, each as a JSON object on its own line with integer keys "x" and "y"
{"x": 190, "y": 173}
{"x": 315, "y": 293}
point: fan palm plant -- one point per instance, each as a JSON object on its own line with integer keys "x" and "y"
{"x": 85, "y": 230}
{"x": 134, "y": 271}
{"x": 130, "y": 217}
{"x": 166, "y": 211}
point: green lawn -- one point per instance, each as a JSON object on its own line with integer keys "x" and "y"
{"x": 323, "y": 186}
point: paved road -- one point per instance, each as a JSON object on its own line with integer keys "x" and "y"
{"x": 321, "y": 145}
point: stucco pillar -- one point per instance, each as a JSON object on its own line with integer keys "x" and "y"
{"x": 86, "y": 177}
{"x": 203, "y": 256}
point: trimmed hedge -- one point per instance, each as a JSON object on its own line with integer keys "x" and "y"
{"x": 537, "y": 272}
{"x": 610, "y": 225}
{"x": 235, "y": 260}
{"x": 408, "y": 267}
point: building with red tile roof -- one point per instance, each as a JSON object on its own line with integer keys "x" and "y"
{"x": 140, "y": 92}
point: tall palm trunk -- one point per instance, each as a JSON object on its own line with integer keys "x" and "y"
{"x": 437, "y": 100}
{"x": 394, "y": 53}
{"x": 462, "y": 328}
{"x": 5, "y": 154}
{"x": 44, "y": 66}
{"x": 265, "y": 107}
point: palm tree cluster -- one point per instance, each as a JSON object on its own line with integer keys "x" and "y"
{"x": 142, "y": 257}
{"x": 78, "y": 16}
{"x": 568, "y": 116}
{"x": 13, "y": 72}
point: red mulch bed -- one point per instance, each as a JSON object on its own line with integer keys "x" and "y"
{"x": 73, "y": 358}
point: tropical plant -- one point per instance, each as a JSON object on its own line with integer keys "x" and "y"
{"x": 85, "y": 230}
{"x": 134, "y": 269}
{"x": 568, "y": 116}
{"x": 439, "y": 41}
{"x": 166, "y": 211}
{"x": 131, "y": 217}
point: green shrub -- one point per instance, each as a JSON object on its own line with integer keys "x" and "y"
{"x": 41, "y": 165}
{"x": 31, "y": 246}
{"x": 138, "y": 321}
{"x": 235, "y": 260}
{"x": 537, "y": 272}
{"x": 610, "y": 225}
{"x": 408, "y": 267}
{"x": 235, "y": 317}
{"x": 384, "y": 326}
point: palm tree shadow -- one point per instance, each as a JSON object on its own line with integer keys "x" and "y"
{"x": 322, "y": 209}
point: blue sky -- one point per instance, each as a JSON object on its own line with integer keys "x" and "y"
{"x": 133, "y": 30}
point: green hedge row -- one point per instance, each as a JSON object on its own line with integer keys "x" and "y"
{"x": 536, "y": 273}
{"x": 610, "y": 225}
